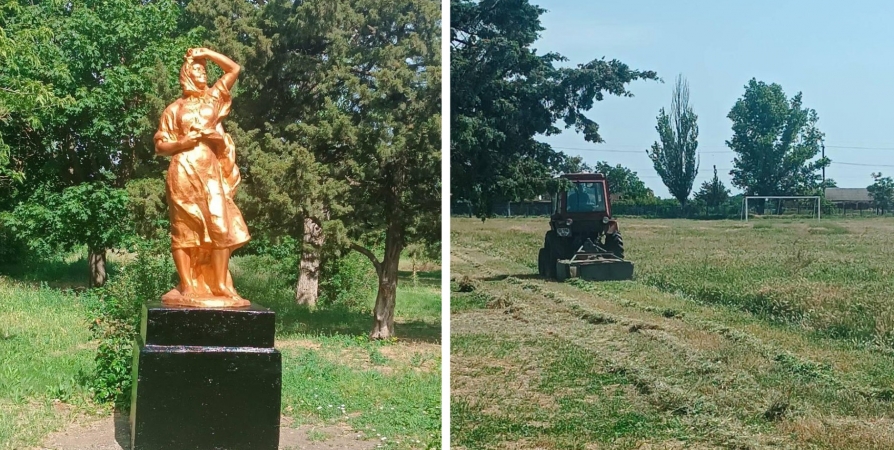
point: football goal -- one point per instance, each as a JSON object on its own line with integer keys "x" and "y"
{"x": 813, "y": 202}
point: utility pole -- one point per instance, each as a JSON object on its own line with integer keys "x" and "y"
{"x": 823, "y": 143}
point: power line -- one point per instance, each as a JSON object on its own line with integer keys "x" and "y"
{"x": 729, "y": 151}
{"x": 861, "y": 148}
{"x": 614, "y": 150}
{"x": 863, "y": 165}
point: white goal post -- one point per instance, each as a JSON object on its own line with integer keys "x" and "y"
{"x": 781, "y": 197}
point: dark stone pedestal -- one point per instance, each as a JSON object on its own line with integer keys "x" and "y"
{"x": 206, "y": 379}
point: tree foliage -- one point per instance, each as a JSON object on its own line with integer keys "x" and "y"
{"x": 504, "y": 95}
{"x": 882, "y": 191}
{"x": 676, "y": 159}
{"x": 29, "y": 63}
{"x": 624, "y": 182}
{"x": 94, "y": 70}
{"x": 341, "y": 124}
{"x": 776, "y": 141}
{"x": 713, "y": 192}
{"x": 574, "y": 164}
{"x": 93, "y": 214}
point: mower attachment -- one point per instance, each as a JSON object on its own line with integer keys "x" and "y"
{"x": 594, "y": 263}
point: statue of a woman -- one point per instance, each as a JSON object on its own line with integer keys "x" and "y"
{"x": 206, "y": 225}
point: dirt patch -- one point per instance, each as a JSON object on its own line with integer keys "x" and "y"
{"x": 113, "y": 433}
{"x": 420, "y": 355}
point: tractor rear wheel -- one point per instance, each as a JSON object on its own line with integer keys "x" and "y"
{"x": 541, "y": 261}
{"x": 615, "y": 244}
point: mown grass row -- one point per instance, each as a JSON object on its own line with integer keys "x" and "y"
{"x": 832, "y": 278}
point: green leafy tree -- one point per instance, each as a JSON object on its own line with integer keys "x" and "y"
{"x": 396, "y": 162}
{"x": 574, "y": 164}
{"x": 92, "y": 214}
{"x": 676, "y": 159}
{"x": 713, "y": 192}
{"x": 776, "y": 141}
{"x": 342, "y": 146}
{"x": 296, "y": 169}
{"x": 624, "y": 182}
{"x": 27, "y": 51}
{"x": 882, "y": 192}
{"x": 107, "y": 60}
{"x": 503, "y": 95}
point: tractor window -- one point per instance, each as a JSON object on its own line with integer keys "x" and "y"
{"x": 586, "y": 197}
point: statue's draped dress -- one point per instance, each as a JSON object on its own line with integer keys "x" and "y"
{"x": 202, "y": 181}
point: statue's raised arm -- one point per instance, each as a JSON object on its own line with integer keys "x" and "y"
{"x": 230, "y": 68}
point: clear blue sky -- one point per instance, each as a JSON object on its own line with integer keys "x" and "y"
{"x": 840, "y": 55}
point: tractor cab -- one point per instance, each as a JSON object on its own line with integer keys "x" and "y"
{"x": 583, "y": 210}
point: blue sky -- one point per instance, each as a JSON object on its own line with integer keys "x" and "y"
{"x": 840, "y": 55}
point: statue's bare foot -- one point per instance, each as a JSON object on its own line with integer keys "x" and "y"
{"x": 223, "y": 290}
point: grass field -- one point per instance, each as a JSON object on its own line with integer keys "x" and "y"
{"x": 768, "y": 334}
{"x": 332, "y": 374}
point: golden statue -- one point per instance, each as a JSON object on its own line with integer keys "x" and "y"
{"x": 206, "y": 225}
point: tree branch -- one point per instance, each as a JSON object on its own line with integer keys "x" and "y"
{"x": 370, "y": 255}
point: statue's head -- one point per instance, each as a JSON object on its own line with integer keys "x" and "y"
{"x": 193, "y": 78}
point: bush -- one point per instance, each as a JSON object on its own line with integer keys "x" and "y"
{"x": 347, "y": 278}
{"x": 13, "y": 249}
{"x": 282, "y": 255}
{"x": 347, "y": 281}
{"x": 115, "y": 311}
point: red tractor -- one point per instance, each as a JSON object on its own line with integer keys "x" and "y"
{"x": 583, "y": 240}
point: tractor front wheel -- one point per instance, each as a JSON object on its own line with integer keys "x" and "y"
{"x": 615, "y": 244}
{"x": 555, "y": 250}
{"x": 541, "y": 261}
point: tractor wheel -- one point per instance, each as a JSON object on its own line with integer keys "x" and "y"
{"x": 541, "y": 261}
{"x": 615, "y": 244}
{"x": 555, "y": 250}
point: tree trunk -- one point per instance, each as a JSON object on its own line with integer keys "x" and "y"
{"x": 383, "y": 328}
{"x": 307, "y": 291}
{"x": 96, "y": 263}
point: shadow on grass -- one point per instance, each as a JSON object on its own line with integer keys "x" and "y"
{"x": 261, "y": 288}
{"x": 59, "y": 274}
{"x": 423, "y": 279}
{"x": 334, "y": 321}
{"x": 520, "y": 276}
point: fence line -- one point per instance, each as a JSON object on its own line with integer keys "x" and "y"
{"x": 664, "y": 211}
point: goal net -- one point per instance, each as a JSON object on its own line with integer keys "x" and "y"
{"x": 781, "y": 205}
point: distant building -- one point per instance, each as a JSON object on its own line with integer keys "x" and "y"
{"x": 848, "y": 195}
{"x": 844, "y": 199}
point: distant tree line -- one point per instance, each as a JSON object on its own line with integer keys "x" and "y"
{"x": 504, "y": 95}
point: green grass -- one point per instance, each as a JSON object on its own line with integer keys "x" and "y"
{"x": 381, "y": 389}
{"x": 45, "y": 353}
{"x": 731, "y": 335}
{"x": 381, "y": 397}
{"x": 825, "y": 276}
{"x": 576, "y": 402}
{"x": 332, "y": 373}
